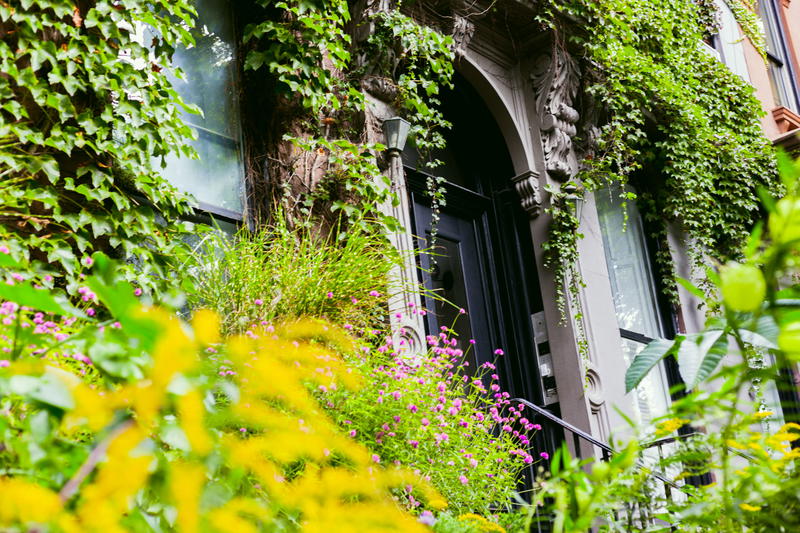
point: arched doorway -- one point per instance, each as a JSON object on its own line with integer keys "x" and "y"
{"x": 483, "y": 259}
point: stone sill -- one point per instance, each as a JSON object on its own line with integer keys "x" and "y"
{"x": 786, "y": 119}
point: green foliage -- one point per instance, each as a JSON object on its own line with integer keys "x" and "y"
{"x": 306, "y": 48}
{"x": 85, "y": 110}
{"x": 179, "y": 444}
{"x": 676, "y": 121}
{"x": 277, "y": 273}
{"x": 304, "y": 44}
{"x": 746, "y": 446}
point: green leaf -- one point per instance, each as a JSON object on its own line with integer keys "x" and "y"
{"x": 646, "y": 360}
{"x": 700, "y": 354}
{"x": 24, "y": 294}
{"x": 691, "y": 287}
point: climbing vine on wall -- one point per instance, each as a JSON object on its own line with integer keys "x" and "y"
{"x": 676, "y": 122}
{"x": 86, "y": 115}
{"x": 319, "y": 67}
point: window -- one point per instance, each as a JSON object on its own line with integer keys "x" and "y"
{"x": 635, "y": 301}
{"x": 216, "y": 179}
{"x": 781, "y": 78}
{"x": 728, "y": 42}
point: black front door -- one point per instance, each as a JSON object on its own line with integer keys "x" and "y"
{"x": 481, "y": 262}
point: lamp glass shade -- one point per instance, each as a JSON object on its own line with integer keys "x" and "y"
{"x": 395, "y": 130}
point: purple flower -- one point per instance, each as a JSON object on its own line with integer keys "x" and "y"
{"x": 412, "y": 408}
{"x": 427, "y": 518}
{"x": 413, "y": 443}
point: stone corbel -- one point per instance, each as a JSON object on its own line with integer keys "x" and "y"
{"x": 527, "y": 186}
{"x": 555, "y": 81}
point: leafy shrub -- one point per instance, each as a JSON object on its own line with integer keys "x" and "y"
{"x": 430, "y": 412}
{"x": 279, "y": 273}
{"x": 748, "y": 450}
{"x": 162, "y": 441}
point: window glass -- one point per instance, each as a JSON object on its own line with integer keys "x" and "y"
{"x": 216, "y": 178}
{"x": 730, "y": 39}
{"x": 779, "y": 73}
{"x": 633, "y": 289}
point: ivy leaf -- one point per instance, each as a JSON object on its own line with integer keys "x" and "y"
{"x": 646, "y": 360}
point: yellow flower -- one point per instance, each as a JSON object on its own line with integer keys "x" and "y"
{"x": 25, "y": 502}
{"x": 669, "y": 426}
{"x": 206, "y": 326}
{"x": 762, "y": 414}
{"x": 748, "y": 507}
{"x": 191, "y": 415}
{"x": 186, "y": 486}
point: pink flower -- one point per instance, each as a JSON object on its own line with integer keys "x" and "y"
{"x": 137, "y": 291}
{"x": 425, "y": 422}
{"x": 329, "y": 295}
{"x": 5, "y": 362}
{"x": 353, "y": 432}
{"x": 463, "y": 479}
{"x": 4, "y": 249}
{"x": 90, "y": 312}
{"x": 48, "y": 278}
{"x": 441, "y": 437}
{"x": 412, "y": 408}
{"x": 544, "y": 455}
{"x": 258, "y": 301}
{"x": 243, "y": 430}
{"x": 376, "y": 458}
{"x": 88, "y": 261}
{"x": 413, "y": 443}
{"x": 374, "y": 293}
{"x": 462, "y": 311}
{"x": 498, "y": 352}
{"x": 354, "y": 300}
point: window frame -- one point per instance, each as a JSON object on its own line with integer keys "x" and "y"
{"x": 205, "y": 212}
{"x": 770, "y": 14}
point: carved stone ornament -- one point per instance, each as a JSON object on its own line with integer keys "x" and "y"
{"x": 555, "y": 81}
{"x": 527, "y": 186}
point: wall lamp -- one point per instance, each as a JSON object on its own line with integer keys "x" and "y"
{"x": 395, "y": 130}
{"x": 574, "y": 195}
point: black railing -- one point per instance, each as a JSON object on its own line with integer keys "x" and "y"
{"x": 583, "y": 442}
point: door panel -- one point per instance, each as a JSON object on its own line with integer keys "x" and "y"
{"x": 454, "y": 272}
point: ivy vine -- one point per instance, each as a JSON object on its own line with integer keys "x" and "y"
{"x": 676, "y": 122}
{"x": 319, "y": 67}
{"x": 86, "y": 113}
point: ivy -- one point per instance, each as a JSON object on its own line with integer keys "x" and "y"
{"x": 745, "y": 15}
{"x": 306, "y": 47}
{"x": 677, "y": 122}
{"x": 86, "y": 109}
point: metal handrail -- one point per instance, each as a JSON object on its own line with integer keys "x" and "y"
{"x": 607, "y": 450}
